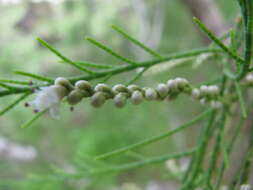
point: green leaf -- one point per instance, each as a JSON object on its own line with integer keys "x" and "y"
{"x": 65, "y": 59}
{"x": 12, "y": 105}
{"x": 32, "y": 120}
{"x": 241, "y": 100}
{"x": 136, "y": 42}
{"x": 38, "y": 77}
{"x": 217, "y": 41}
{"x": 110, "y": 51}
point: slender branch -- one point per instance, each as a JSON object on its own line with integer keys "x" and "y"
{"x": 155, "y": 138}
{"x": 110, "y": 51}
{"x": 218, "y": 42}
{"x": 65, "y": 59}
{"x": 9, "y": 107}
{"x": 248, "y": 38}
{"x": 136, "y": 42}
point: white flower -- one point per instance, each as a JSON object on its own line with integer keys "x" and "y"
{"x": 49, "y": 98}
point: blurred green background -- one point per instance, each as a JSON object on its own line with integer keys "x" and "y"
{"x": 69, "y": 144}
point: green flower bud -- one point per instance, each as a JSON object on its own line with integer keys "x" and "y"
{"x": 150, "y": 94}
{"x": 83, "y": 85}
{"x": 98, "y": 99}
{"x": 136, "y": 97}
{"x": 75, "y": 97}
{"x": 119, "y": 88}
{"x": 120, "y": 100}
{"x": 133, "y": 87}
{"x": 195, "y": 93}
{"x": 63, "y": 82}
{"x": 102, "y": 88}
{"x": 61, "y": 91}
{"x": 162, "y": 90}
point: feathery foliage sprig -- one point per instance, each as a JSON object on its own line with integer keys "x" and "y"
{"x": 204, "y": 170}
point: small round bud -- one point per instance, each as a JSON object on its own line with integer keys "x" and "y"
{"x": 204, "y": 90}
{"x": 119, "y": 88}
{"x": 133, "y": 87}
{"x": 102, "y": 88}
{"x": 136, "y": 97}
{"x": 98, "y": 99}
{"x": 83, "y": 85}
{"x": 162, "y": 90}
{"x": 62, "y": 82}
{"x": 181, "y": 82}
{"x": 196, "y": 93}
{"x": 74, "y": 97}
{"x": 61, "y": 91}
{"x": 150, "y": 94}
{"x": 120, "y": 100}
{"x": 249, "y": 79}
{"x": 213, "y": 90}
{"x": 172, "y": 84}
{"x": 216, "y": 104}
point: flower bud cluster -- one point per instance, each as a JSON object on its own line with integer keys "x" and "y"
{"x": 51, "y": 96}
{"x": 207, "y": 94}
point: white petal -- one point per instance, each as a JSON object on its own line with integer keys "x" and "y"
{"x": 54, "y": 111}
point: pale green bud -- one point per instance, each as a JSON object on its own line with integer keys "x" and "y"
{"x": 102, "y": 88}
{"x": 172, "y": 85}
{"x": 63, "y": 82}
{"x": 119, "y": 88}
{"x": 162, "y": 90}
{"x": 83, "y": 85}
{"x": 150, "y": 94}
{"x": 196, "y": 93}
{"x": 204, "y": 90}
{"x": 213, "y": 90}
{"x": 136, "y": 97}
{"x": 75, "y": 97}
{"x": 133, "y": 87}
{"x": 98, "y": 99}
{"x": 120, "y": 100}
{"x": 249, "y": 79}
{"x": 61, "y": 91}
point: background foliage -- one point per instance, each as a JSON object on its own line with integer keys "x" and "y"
{"x": 69, "y": 144}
